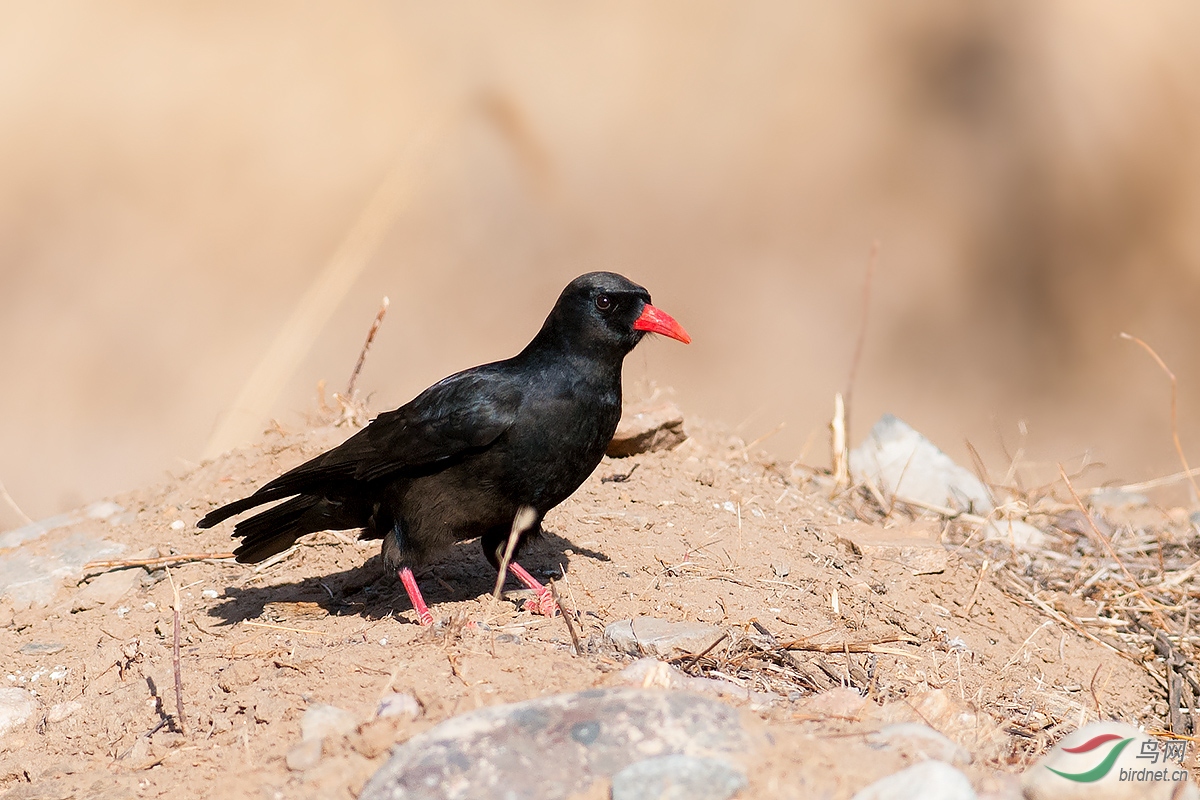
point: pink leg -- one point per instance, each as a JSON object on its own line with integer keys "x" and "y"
{"x": 544, "y": 604}
{"x": 414, "y": 595}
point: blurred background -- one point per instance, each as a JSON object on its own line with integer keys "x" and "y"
{"x": 201, "y": 205}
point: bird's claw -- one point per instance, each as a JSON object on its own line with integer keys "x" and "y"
{"x": 543, "y": 604}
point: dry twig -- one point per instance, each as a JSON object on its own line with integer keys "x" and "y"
{"x": 156, "y": 562}
{"x": 522, "y": 522}
{"x": 175, "y": 654}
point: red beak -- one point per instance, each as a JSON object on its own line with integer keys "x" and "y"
{"x": 656, "y": 320}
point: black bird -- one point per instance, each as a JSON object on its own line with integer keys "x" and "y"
{"x": 464, "y": 456}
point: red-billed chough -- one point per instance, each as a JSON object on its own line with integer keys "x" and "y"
{"x": 460, "y": 459}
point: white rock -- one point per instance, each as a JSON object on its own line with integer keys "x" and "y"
{"x": 1119, "y": 762}
{"x": 929, "y": 780}
{"x": 103, "y": 509}
{"x": 399, "y": 704}
{"x": 16, "y": 706}
{"x": 1021, "y": 535}
{"x": 320, "y": 721}
{"x": 902, "y": 462}
{"x": 60, "y": 711}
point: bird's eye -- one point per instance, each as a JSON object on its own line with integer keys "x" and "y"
{"x": 603, "y": 302}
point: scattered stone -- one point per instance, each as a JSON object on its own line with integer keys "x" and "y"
{"x": 1118, "y": 762}
{"x": 840, "y": 702}
{"x": 16, "y": 706}
{"x": 648, "y": 430}
{"x": 915, "y": 547}
{"x": 42, "y": 648}
{"x": 677, "y": 777}
{"x": 398, "y": 704}
{"x": 305, "y": 755}
{"x": 320, "y": 721}
{"x": 1021, "y": 535}
{"x": 60, "y": 711}
{"x": 901, "y": 462}
{"x": 707, "y": 477}
{"x": 653, "y": 636}
{"x": 574, "y": 740}
{"x": 921, "y": 742}
{"x": 107, "y": 588}
{"x": 929, "y": 780}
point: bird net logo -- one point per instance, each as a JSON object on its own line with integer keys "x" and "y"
{"x": 1151, "y": 752}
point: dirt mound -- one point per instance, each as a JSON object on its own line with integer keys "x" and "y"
{"x": 813, "y": 595}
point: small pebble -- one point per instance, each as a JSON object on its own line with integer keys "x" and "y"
{"x": 178, "y": 525}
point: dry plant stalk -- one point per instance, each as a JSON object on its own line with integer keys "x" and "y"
{"x": 4, "y": 495}
{"x": 329, "y": 287}
{"x": 362, "y": 355}
{"x": 566, "y": 619}
{"x": 175, "y": 654}
{"x": 1174, "y": 411}
{"x": 156, "y": 562}
{"x": 862, "y": 327}
{"x": 840, "y": 454}
{"x": 353, "y": 412}
{"x": 522, "y": 522}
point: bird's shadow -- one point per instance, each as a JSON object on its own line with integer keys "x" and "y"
{"x": 372, "y": 592}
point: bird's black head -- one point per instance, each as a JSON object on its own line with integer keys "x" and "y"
{"x": 606, "y": 314}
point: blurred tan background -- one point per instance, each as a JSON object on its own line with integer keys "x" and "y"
{"x": 175, "y": 177}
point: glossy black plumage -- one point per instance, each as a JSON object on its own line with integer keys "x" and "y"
{"x": 460, "y": 459}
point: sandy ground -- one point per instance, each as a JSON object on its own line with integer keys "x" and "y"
{"x": 709, "y": 532}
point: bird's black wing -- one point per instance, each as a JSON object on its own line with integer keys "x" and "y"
{"x": 466, "y": 412}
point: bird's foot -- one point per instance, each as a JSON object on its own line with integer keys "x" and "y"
{"x": 544, "y": 603}
{"x": 424, "y": 617}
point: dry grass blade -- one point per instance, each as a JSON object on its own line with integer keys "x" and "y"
{"x": 522, "y": 522}
{"x": 839, "y": 452}
{"x": 566, "y": 618}
{"x": 295, "y": 338}
{"x": 1174, "y": 411}
{"x": 8, "y": 501}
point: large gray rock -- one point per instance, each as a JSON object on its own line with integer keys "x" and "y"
{"x": 553, "y": 747}
{"x": 678, "y": 777}
{"x": 900, "y": 461}
{"x": 657, "y": 637}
